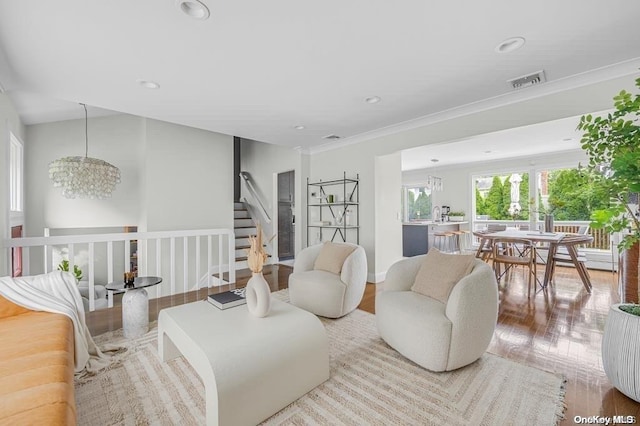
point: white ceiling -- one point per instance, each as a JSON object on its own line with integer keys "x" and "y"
{"x": 256, "y": 69}
{"x": 528, "y": 141}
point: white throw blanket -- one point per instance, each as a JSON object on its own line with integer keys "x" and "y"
{"x": 58, "y": 292}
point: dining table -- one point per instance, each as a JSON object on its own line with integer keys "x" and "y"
{"x": 552, "y": 240}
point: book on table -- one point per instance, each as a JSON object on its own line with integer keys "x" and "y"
{"x": 228, "y": 299}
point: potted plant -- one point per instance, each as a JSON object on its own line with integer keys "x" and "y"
{"x": 456, "y": 216}
{"x": 621, "y": 350}
{"x": 77, "y": 272}
{"x": 612, "y": 143}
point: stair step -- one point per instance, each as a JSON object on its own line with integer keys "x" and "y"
{"x": 244, "y": 258}
{"x": 241, "y": 214}
{"x": 239, "y": 206}
{"x": 244, "y": 232}
{"x": 243, "y": 223}
{"x": 245, "y": 245}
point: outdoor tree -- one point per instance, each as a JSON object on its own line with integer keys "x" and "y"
{"x": 574, "y": 195}
{"x": 524, "y": 197}
{"x": 411, "y": 205}
{"x": 481, "y": 208}
{"x": 422, "y": 206}
{"x": 506, "y": 199}
{"x": 494, "y": 201}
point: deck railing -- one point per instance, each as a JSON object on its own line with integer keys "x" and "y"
{"x": 601, "y": 239}
{"x": 186, "y": 260}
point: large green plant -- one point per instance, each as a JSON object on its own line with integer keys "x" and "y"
{"x": 612, "y": 143}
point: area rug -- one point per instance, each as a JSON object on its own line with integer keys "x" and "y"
{"x": 370, "y": 384}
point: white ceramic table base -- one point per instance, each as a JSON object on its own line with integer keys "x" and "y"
{"x": 251, "y": 367}
{"x": 135, "y": 313}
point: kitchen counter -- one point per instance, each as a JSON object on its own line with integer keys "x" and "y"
{"x": 417, "y": 237}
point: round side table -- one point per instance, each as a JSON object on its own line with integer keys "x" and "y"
{"x": 135, "y": 305}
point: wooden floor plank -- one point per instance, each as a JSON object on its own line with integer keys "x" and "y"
{"x": 559, "y": 331}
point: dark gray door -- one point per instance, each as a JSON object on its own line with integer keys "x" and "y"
{"x": 286, "y": 218}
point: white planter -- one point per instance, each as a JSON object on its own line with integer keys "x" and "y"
{"x": 621, "y": 351}
{"x": 456, "y": 218}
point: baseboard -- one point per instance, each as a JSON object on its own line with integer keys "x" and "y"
{"x": 376, "y": 278}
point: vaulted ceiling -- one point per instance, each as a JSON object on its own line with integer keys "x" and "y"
{"x": 258, "y": 69}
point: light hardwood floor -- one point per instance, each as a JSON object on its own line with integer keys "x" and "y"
{"x": 558, "y": 331}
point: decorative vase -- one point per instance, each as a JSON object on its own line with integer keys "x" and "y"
{"x": 621, "y": 351}
{"x": 548, "y": 223}
{"x": 258, "y": 295}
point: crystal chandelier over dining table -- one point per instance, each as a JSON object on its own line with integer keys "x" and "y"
{"x": 434, "y": 183}
{"x": 84, "y": 177}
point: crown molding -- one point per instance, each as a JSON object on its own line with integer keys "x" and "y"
{"x": 575, "y": 81}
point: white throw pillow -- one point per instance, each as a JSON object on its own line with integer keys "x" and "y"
{"x": 332, "y": 257}
{"x": 440, "y": 272}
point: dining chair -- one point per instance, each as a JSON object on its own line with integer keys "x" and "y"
{"x": 524, "y": 255}
{"x": 486, "y": 252}
{"x": 567, "y": 250}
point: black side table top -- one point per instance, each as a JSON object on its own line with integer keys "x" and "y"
{"x": 138, "y": 282}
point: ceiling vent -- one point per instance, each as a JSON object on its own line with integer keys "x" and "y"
{"x": 331, "y": 137}
{"x": 527, "y": 80}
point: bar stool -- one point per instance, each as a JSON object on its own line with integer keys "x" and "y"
{"x": 443, "y": 241}
{"x": 465, "y": 242}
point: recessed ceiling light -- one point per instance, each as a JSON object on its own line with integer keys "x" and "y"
{"x": 487, "y": 152}
{"x": 434, "y": 160}
{"x": 193, "y": 9}
{"x": 373, "y": 100}
{"x": 331, "y": 137}
{"x": 567, "y": 139}
{"x": 299, "y": 127}
{"x": 510, "y": 45}
{"x": 148, "y": 84}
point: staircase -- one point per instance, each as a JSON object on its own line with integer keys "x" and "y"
{"x": 243, "y": 226}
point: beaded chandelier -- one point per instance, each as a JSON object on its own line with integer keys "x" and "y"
{"x": 84, "y": 177}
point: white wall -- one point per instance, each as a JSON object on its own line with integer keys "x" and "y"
{"x": 173, "y": 177}
{"x": 263, "y": 161}
{"x": 332, "y": 165}
{"x": 188, "y": 178}
{"x": 9, "y": 122}
{"x": 117, "y": 139}
{"x": 360, "y": 157}
{"x": 388, "y": 222}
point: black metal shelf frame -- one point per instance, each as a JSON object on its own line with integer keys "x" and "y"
{"x": 351, "y": 198}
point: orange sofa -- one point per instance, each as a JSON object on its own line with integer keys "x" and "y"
{"x": 36, "y": 367}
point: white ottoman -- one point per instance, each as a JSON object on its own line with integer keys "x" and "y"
{"x": 251, "y": 367}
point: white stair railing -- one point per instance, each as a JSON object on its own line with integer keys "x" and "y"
{"x": 201, "y": 260}
{"x": 256, "y": 198}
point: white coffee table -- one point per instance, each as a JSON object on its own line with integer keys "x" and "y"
{"x": 251, "y": 367}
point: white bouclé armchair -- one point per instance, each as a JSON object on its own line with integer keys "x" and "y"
{"x": 436, "y": 335}
{"x": 324, "y": 293}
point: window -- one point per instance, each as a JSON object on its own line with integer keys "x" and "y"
{"x": 503, "y": 196}
{"x": 16, "y": 174}
{"x": 416, "y": 203}
{"x": 568, "y": 194}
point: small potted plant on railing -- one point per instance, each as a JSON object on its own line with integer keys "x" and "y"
{"x": 64, "y": 266}
{"x": 456, "y": 216}
{"x": 612, "y": 143}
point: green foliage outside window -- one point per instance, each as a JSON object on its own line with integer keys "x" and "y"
{"x": 573, "y": 195}
{"x": 418, "y": 208}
